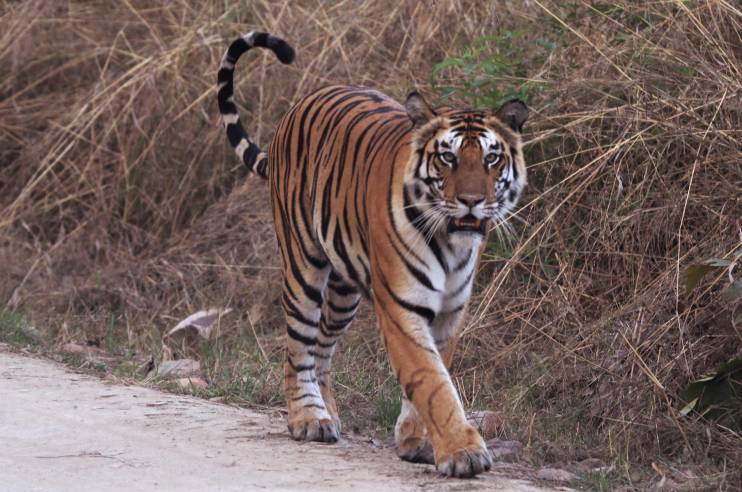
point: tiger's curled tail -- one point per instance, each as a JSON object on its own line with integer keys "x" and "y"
{"x": 247, "y": 150}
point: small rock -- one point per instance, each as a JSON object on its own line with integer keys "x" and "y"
{"x": 507, "y": 451}
{"x": 74, "y": 348}
{"x": 486, "y": 422}
{"x": 181, "y": 368}
{"x": 190, "y": 383}
{"x": 95, "y": 356}
{"x": 589, "y": 464}
{"x": 555, "y": 475}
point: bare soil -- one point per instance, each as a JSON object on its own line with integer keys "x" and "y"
{"x": 61, "y": 430}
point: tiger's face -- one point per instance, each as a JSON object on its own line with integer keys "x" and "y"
{"x": 469, "y": 169}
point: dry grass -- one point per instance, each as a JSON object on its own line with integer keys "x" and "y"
{"x": 123, "y": 209}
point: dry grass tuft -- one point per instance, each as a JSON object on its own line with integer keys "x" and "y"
{"x": 123, "y": 209}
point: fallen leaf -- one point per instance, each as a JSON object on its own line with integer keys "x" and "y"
{"x": 202, "y": 322}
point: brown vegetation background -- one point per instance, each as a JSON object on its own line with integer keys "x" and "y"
{"x": 123, "y": 209}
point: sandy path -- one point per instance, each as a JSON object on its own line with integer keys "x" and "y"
{"x": 61, "y": 431}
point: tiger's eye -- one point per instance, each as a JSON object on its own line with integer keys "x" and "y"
{"x": 491, "y": 158}
{"x": 448, "y": 157}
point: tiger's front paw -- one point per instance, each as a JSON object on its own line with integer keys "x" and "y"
{"x": 314, "y": 429}
{"x": 465, "y": 461}
{"x": 410, "y": 437}
{"x": 416, "y": 450}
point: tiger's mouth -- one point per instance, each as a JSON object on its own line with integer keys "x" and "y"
{"x": 467, "y": 223}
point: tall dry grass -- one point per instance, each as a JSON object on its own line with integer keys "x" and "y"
{"x": 120, "y": 197}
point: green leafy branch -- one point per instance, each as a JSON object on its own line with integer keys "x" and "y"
{"x": 492, "y": 70}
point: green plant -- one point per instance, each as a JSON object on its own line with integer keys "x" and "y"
{"x": 492, "y": 70}
{"x": 388, "y": 405}
{"x": 600, "y": 480}
{"x": 695, "y": 272}
{"x": 718, "y": 396}
{"x": 15, "y": 330}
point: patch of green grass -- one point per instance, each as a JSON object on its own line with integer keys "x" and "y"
{"x": 79, "y": 362}
{"x": 112, "y": 338}
{"x": 129, "y": 369}
{"x": 388, "y": 403}
{"x": 463, "y": 487}
{"x": 601, "y": 480}
{"x": 15, "y": 330}
{"x": 239, "y": 371}
{"x": 538, "y": 410}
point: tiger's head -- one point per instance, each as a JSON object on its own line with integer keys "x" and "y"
{"x": 468, "y": 168}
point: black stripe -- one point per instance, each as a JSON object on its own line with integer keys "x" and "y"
{"x": 300, "y": 368}
{"x": 305, "y": 395}
{"x": 413, "y": 213}
{"x": 340, "y": 324}
{"x": 311, "y": 292}
{"x": 454, "y": 310}
{"x": 299, "y": 337}
{"x": 326, "y": 207}
{"x": 339, "y": 246}
{"x": 463, "y": 285}
{"x": 237, "y": 49}
{"x": 422, "y": 311}
{"x": 418, "y": 274}
{"x": 343, "y": 309}
{"x": 250, "y": 155}
{"x": 400, "y": 329}
{"x": 295, "y": 313}
{"x": 318, "y": 355}
{"x": 235, "y": 134}
{"x": 345, "y": 290}
{"x": 464, "y": 262}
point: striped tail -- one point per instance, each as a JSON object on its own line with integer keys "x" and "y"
{"x": 246, "y": 149}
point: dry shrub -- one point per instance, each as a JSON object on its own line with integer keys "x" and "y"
{"x": 635, "y": 173}
{"x": 119, "y": 193}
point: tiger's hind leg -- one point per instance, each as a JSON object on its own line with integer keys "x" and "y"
{"x": 309, "y": 417}
{"x": 338, "y": 310}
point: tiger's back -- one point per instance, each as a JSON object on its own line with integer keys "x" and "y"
{"x": 326, "y": 152}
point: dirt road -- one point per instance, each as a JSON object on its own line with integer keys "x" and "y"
{"x": 62, "y": 431}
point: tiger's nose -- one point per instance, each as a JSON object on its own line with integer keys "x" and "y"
{"x": 471, "y": 200}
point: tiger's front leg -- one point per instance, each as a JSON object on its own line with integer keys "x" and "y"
{"x": 410, "y": 435}
{"x": 458, "y": 449}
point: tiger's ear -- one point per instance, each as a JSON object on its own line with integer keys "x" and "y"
{"x": 418, "y": 110}
{"x": 513, "y": 113}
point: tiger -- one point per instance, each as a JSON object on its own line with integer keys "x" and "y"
{"x": 389, "y": 202}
